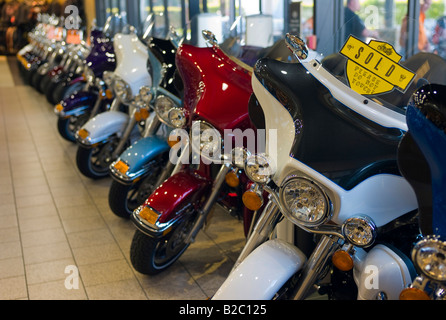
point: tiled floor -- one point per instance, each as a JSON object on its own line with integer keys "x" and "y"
{"x": 53, "y": 220}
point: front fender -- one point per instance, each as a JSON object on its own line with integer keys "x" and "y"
{"x": 102, "y": 126}
{"x": 168, "y": 200}
{"x": 262, "y": 273}
{"x": 76, "y": 103}
{"x": 136, "y": 157}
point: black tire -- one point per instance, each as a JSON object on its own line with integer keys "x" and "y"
{"x": 43, "y": 85}
{"x": 151, "y": 256}
{"x": 68, "y": 127}
{"x": 36, "y": 79}
{"x": 49, "y": 91}
{"x": 28, "y": 75}
{"x": 124, "y": 199}
{"x": 94, "y": 162}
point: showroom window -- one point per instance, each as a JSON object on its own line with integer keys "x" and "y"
{"x": 410, "y": 26}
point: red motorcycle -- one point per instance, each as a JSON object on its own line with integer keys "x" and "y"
{"x": 217, "y": 89}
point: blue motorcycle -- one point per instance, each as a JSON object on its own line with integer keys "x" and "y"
{"x": 145, "y": 164}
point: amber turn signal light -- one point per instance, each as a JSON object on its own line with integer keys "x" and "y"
{"x": 232, "y": 179}
{"x": 59, "y": 107}
{"x": 83, "y": 133}
{"x": 342, "y": 260}
{"x": 252, "y": 200}
{"x": 413, "y": 294}
{"x": 142, "y": 114}
{"x": 173, "y": 141}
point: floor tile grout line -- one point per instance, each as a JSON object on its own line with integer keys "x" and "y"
{"x": 55, "y": 204}
{"x": 2, "y": 106}
{"x": 102, "y": 217}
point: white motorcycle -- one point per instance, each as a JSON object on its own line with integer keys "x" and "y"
{"x": 339, "y": 218}
{"x": 103, "y": 138}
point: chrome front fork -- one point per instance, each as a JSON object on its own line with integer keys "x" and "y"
{"x": 315, "y": 265}
{"x": 265, "y": 225}
{"x": 203, "y": 213}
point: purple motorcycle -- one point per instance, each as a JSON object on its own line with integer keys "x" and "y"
{"x": 95, "y": 96}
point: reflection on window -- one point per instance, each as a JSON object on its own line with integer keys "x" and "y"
{"x": 377, "y": 19}
{"x": 388, "y": 20}
{"x": 433, "y": 23}
{"x": 174, "y": 15}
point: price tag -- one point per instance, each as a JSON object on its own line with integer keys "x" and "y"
{"x": 73, "y": 36}
{"x": 374, "y": 68}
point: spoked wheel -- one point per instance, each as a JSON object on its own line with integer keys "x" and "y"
{"x": 151, "y": 256}
{"x": 68, "y": 127}
{"x": 124, "y": 199}
{"x": 94, "y": 162}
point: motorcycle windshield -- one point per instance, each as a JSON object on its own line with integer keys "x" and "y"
{"x": 164, "y": 51}
{"x": 102, "y": 55}
{"x": 345, "y": 136}
{"x": 216, "y": 87}
{"x": 115, "y": 24}
{"x": 423, "y": 160}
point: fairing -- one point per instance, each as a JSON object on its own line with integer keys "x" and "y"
{"x": 329, "y": 137}
{"x": 102, "y": 56}
{"x": 165, "y": 52}
{"x": 130, "y": 70}
{"x": 426, "y": 118}
{"x": 217, "y": 89}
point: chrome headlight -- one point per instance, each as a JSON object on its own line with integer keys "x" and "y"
{"x": 108, "y": 78}
{"x": 259, "y": 168}
{"x": 163, "y": 105}
{"x": 429, "y": 256}
{"x": 206, "y": 140}
{"x": 177, "y": 118}
{"x": 240, "y": 156}
{"x": 360, "y": 231}
{"x": 146, "y": 95}
{"x": 122, "y": 90}
{"x": 305, "y": 202}
{"x": 139, "y": 102}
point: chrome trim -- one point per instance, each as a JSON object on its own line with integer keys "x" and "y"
{"x": 315, "y": 265}
{"x": 210, "y": 201}
{"x": 157, "y": 229}
{"x": 194, "y": 147}
{"x": 328, "y": 210}
{"x": 264, "y": 227}
{"x": 325, "y": 229}
{"x": 128, "y": 178}
{"x": 370, "y": 224}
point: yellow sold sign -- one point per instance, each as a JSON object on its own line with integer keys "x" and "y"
{"x": 374, "y": 68}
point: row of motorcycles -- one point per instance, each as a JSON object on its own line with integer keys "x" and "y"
{"x": 349, "y": 203}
